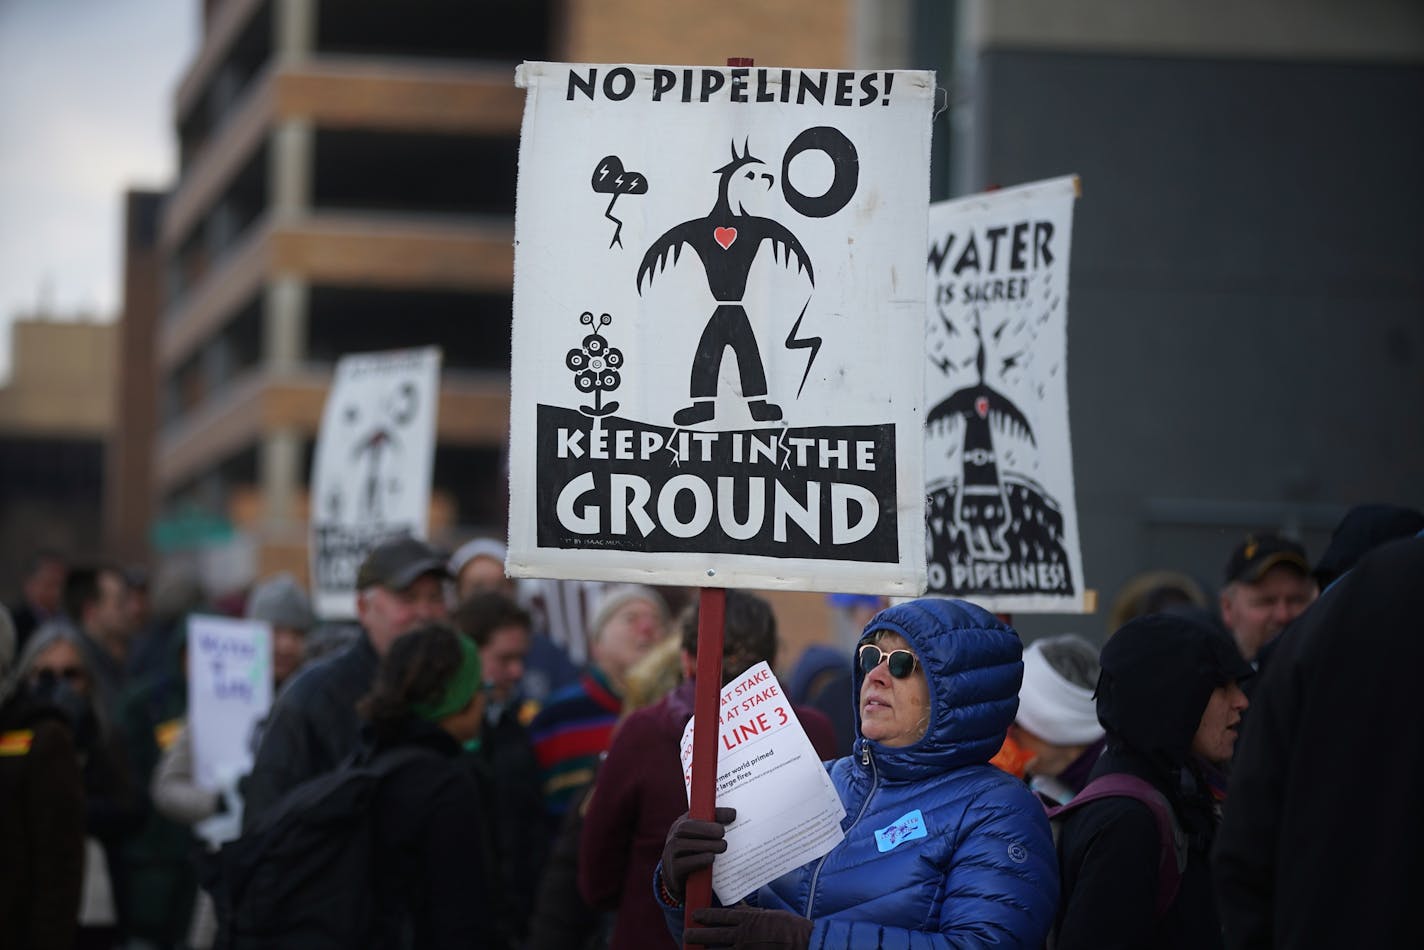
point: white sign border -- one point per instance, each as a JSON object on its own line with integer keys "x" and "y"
{"x": 906, "y": 577}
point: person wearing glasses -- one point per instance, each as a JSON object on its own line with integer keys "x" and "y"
{"x": 941, "y": 849}
{"x": 41, "y": 814}
{"x": 57, "y": 668}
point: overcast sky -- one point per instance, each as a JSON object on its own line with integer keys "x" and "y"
{"x": 86, "y": 92}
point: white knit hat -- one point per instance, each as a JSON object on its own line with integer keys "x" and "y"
{"x": 1053, "y": 708}
{"x": 477, "y": 547}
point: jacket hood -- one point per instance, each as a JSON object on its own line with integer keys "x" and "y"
{"x": 1364, "y": 528}
{"x": 1158, "y": 672}
{"x": 973, "y": 664}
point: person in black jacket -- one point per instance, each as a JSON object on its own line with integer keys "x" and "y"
{"x": 313, "y": 726}
{"x": 55, "y": 668}
{"x": 1170, "y": 700}
{"x": 41, "y": 815}
{"x": 1323, "y": 842}
{"x": 433, "y": 853}
{"x": 504, "y": 763}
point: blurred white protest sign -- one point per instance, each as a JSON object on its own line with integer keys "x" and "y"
{"x": 718, "y": 327}
{"x": 371, "y": 472}
{"x": 229, "y": 692}
{"x": 1002, "y": 516}
{"x": 788, "y": 812}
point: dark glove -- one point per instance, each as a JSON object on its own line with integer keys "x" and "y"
{"x": 691, "y": 845}
{"x": 749, "y": 928}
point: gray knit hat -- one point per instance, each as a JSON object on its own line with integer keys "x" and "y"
{"x": 280, "y": 601}
{"x": 616, "y": 598}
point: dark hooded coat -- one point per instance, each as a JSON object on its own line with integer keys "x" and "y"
{"x": 1158, "y": 673}
{"x": 41, "y": 826}
{"x": 435, "y": 860}
{"x": 1323, "y": 844}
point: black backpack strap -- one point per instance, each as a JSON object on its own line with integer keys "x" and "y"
{"x": 393, "y": 760}
{"x": 1172, "y": 857}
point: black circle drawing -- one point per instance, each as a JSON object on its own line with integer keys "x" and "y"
{"x": 841, "y": 151}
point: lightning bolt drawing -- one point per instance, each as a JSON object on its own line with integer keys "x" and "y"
{"x": 812, "y": 343}
{"x": 608, "y": 213}
{"x": 623, "y": 182}
{"x": 784, "y": 449}
{"x": 672, "y": 450}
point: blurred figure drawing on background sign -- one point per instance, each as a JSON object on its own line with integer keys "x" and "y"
{"x": 1002, "y": 521}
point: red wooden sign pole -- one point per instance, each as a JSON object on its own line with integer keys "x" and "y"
{"x": 702, "y": 802}
{"x": 706, "y": 702}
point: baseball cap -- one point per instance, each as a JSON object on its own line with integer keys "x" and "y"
{"x": 396, "y": 563}
{"x": 1259, "y": 553}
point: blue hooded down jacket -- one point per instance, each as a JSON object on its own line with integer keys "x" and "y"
{"x": 984, "y": 872}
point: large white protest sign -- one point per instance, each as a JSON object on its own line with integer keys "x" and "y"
{"x": 371, "y": 472}
{"x": 788, "y": 812}
{"x": 229, "y": 691}
{"x": 719, "y": 327}
{"x": 1002, "y": 518}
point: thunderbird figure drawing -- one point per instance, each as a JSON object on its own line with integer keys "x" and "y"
{"x": 727, "y": 240}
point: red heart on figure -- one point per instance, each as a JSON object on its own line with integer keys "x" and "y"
{"x": 981, "y": 406}
{"x": 724, "y": 236}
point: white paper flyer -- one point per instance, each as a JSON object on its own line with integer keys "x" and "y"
{"x": 229, "y": 691}
{"x": 788, "y": 812}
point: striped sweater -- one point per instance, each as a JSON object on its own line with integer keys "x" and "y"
{"x": 573, "y": 729}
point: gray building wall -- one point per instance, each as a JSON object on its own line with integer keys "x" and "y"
{"x": 1246, "y": 328}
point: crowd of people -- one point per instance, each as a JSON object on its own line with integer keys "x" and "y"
{"x": 1236, "y": 773}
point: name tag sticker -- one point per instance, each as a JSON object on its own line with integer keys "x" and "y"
{"x": 907, "y": 828}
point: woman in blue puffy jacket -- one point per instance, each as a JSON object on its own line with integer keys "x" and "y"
{"x": 941, "y": 849}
